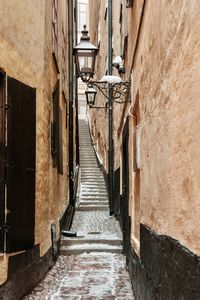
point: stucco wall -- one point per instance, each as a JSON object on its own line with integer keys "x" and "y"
{"x": 165, "y": 76}
{"x": 26, "y": 54}
{"x": 167, "y": 68}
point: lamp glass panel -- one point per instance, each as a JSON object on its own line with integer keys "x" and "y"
{"x": 91, "y": 97}
{"x": 86, "y": 59}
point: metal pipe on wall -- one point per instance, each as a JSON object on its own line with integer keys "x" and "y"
{"x": 76, "y": 86}
{"x": 110, "y": 125}
{"x": 71, "y": 100}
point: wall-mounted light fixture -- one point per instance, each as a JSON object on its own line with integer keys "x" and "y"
{"x": 85, "y": 55}
{"x": 112, "y": 87}
{"x": 90, "y": 95}
{"x": 118, "y": 63}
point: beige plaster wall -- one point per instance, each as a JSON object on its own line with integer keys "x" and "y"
{"x": 26, "y": 54}
{"x": 167, "y": 75}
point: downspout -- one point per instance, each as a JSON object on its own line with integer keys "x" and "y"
{"x": 110, "y": 116}
{"x": 71, "y": 100}
{"x": 76, "y": 86}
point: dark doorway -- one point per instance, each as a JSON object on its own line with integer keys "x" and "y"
{"x": 21, "y": 138}
{"x": 125, "y": 189}
{"x": 2, "y": 160}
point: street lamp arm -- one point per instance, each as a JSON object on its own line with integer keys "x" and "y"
{"x": 120, "y": 90}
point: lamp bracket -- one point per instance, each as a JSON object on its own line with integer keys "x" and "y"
{"x": 120, "y": 91}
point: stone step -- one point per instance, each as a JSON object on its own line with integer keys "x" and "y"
{"x": 89, "y": 180}
{"x": 92, "y": 180}
{"x": 91, "y": 165}
{"x": 93, "y": 194}
{"x": 87, "y": 147}
{"x": 67, "y": 241}
{"x": 92, "y": 202}
{"x": 89, "y": 168}
{"x": 92, "y": 189}
{"x": 92, "y": 207}
{"x": 88, "y": 162}
{"x": 92, "y": 160}
{"x": 78, "y": 249}
{"x": 87, "y": 156}
{"x": 92, "y": 175}
{"x": 87, "y": 151}
{"x": 97, "y": 189}
{"x": 87, "y": 172}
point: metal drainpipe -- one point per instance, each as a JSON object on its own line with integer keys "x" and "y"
{"x": 71, "y": 100}
{"x": 110, "y": 125}
{"x": 76, "y": 86}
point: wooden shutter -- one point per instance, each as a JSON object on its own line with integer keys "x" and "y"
{"x": 57, "y": 153}
{"x": 2, "y": 160}
{"x": 55, "y": 124}
{"x": 60, "y": 145}
{"x": 21, "y": 149}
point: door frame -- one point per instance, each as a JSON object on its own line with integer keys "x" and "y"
{"x": 125, "y": 219}
{"x": 2, "y": 159}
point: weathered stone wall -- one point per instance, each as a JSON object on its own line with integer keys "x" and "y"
{"x": 26, "y": 54}
{"x": 164, "y": 68}
{"x": 167, "y": 75}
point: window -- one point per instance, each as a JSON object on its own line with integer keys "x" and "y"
{"x": 56, "y": 131}
{"x": 129, "y": 3}
{"x": 120, "y": 14}
{"x": 64, "y": 63}
{"x": 55, "y": 30}
{"x": 106, "y": 9}
{"x": 82, "y": 15}
{"x": 99, "y": 34}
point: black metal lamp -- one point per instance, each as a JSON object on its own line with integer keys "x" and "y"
{"x": 85, "y": 55}
{"x": 90, "y": 95}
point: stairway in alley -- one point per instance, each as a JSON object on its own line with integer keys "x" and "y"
{"x": 95, "y": 229}
{"x": 93, "y": 190}
{"x": 91, "y": 266}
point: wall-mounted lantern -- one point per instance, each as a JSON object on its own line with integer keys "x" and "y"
{"x": 85, "y": 55}
{"x": 90, "y": 95}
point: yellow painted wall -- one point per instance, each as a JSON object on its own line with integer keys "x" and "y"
{"x": 26, "y": 54}
{"x": 165, "y": 76}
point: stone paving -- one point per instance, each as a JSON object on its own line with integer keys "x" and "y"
{"x": 88, "y": 275}
{"x": 87, "y": 223}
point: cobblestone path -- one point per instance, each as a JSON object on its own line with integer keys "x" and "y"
{"x": 89, "y": 276}
{"x": 93, "y": 267}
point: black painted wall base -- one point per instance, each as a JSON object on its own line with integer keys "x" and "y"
{"x": 166, "y": 270}
{"x": 25, "y": 271}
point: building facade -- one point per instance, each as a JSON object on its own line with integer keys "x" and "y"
{"x": 155, "y": 133}
{"x": 37, "y": 164}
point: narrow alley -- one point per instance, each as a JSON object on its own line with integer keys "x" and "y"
{"x": 91, "y": 265}
{"x": 99, "y": 150}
